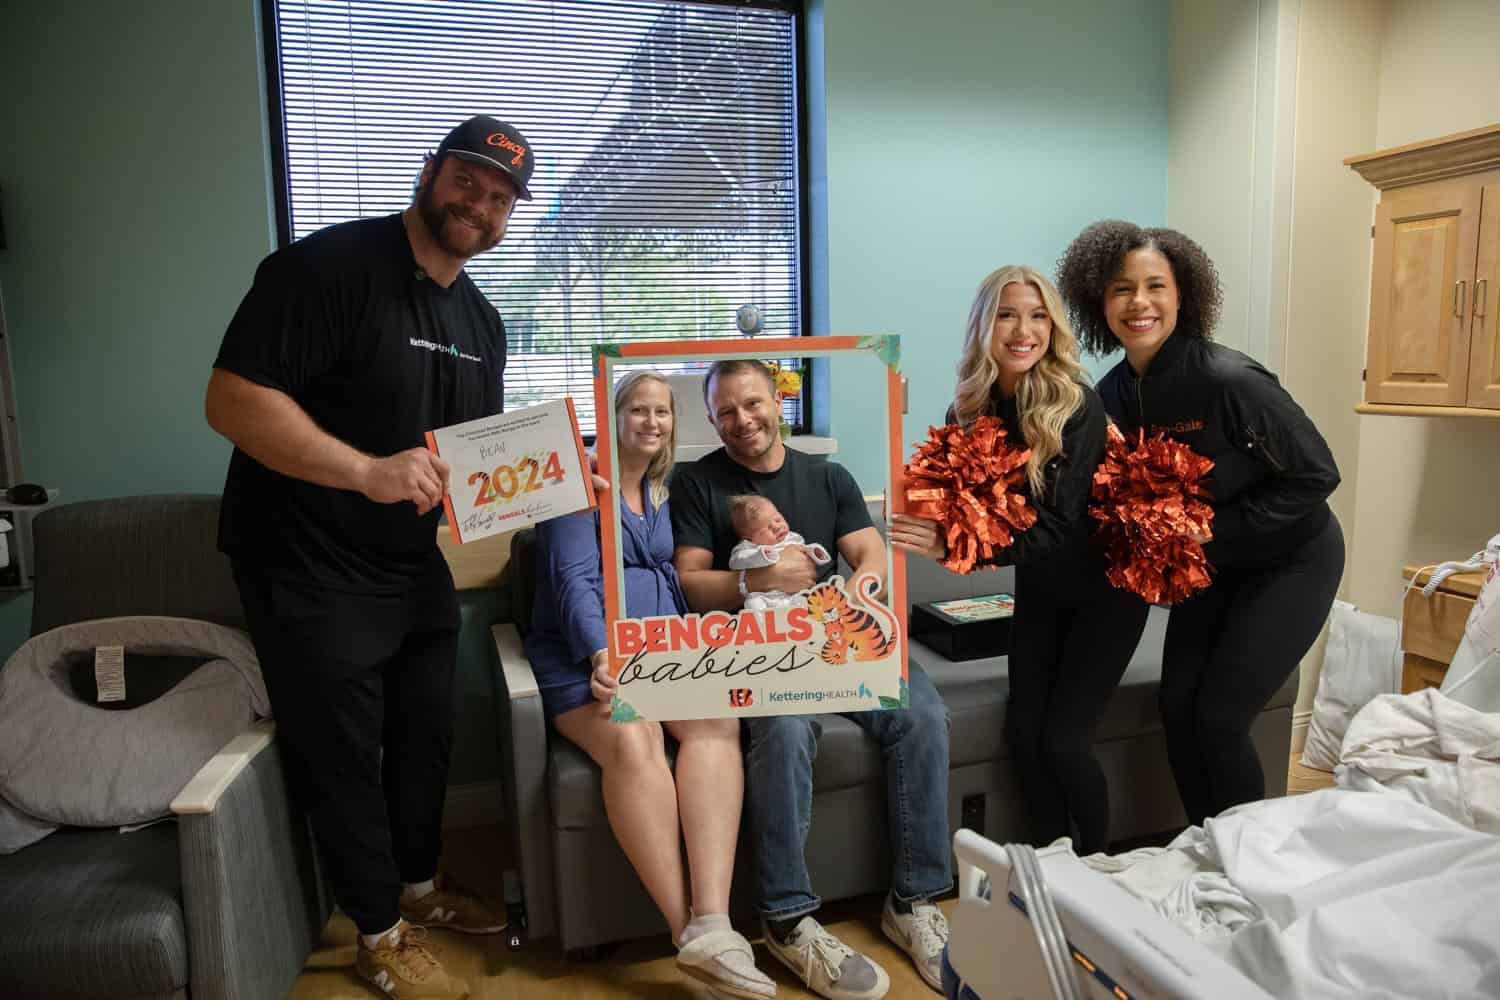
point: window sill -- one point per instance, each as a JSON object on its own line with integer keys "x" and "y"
{"x": 808, "y": 444}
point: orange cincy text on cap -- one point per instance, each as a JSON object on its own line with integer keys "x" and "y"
{"x": 499, "y": 139}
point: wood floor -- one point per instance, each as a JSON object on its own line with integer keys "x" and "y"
{"x": 638, "y": 969}
{"x": 1301, "y": 779}
{"x": 641, "y": 968}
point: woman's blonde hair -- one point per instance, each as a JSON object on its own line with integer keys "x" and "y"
{"x": 660, "y": 466}
{"x": 1047, "y": 394}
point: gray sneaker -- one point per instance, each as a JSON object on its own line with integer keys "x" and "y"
{"x": 828, "y": 966}
{"x": 922, "y": 933}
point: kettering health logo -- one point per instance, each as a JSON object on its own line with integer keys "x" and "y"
{"x": 818, "y": 696}
{"x": 428, "y": 345}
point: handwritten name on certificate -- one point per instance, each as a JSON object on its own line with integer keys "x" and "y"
{"x": 513, "y": 469}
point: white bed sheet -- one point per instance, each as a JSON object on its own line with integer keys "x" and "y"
{"x": 1388, "y": 888}
{"x": 1430, "y": 748}
{"x": 1363, "y": 896}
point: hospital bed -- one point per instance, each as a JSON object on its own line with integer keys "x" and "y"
{"x": 1053, "y": 928}
{"x": 1382, "y": 888}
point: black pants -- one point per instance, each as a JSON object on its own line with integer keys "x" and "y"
{"x": 1228, "y": 650}
{"x": 1069, "y": 647}
{"x": 362, "y": 691}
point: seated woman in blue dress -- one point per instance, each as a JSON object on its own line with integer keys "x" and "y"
{"x": 649, "y": 810}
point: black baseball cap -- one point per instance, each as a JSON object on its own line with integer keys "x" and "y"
{"x": 489, "y": 141}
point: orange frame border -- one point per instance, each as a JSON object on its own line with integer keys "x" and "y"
{"x": 887, "y": 348}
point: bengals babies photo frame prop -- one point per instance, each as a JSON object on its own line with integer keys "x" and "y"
{"x": 796, "y": 660}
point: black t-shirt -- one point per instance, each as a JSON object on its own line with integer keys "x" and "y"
{"x": 819, "y": 500}
{"x": 346, "y": 324}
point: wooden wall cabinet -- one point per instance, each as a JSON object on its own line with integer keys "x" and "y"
{"x": 1434, "y": 337}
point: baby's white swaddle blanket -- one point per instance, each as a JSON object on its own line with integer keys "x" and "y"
{"x": 749, "y": 555}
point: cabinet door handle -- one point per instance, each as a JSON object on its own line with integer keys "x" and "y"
{"x": 1481, "y": 293}
{"x": 1458, "y": 299}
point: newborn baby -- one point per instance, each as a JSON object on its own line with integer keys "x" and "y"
{"x": 764, "y": 532}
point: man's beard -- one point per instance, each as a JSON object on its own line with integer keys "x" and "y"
{"x": 470, "y": 243}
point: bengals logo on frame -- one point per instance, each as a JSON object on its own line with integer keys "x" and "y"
{"x": 741, "y": 697}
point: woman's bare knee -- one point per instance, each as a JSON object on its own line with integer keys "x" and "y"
{"x": 723, "y": 733}
{"x": 636, "y": 745}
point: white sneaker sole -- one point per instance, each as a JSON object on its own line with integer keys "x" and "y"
{"x": 893, "y": 932}
{"x": 720, "y": 988}
{"x": 781, "y": 956}
{"x": 380, "y": 988}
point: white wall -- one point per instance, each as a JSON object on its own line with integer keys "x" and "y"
{"x": 1222, "y": 132}
{"x": 1321, "y": 322}
{"x": 1429, "y": 488}
{"x": 1267, "y": 100}
{"x": 1211, "y": 142}
{"x": 1439, "y": 69}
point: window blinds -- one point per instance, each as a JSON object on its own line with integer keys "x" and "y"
{"x": 666, "y": 138}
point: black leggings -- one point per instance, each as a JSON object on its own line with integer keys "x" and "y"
{"x": 351, "y": 676}
{"x": 1068, "y": 650}
{"x": 1228, "y": 650}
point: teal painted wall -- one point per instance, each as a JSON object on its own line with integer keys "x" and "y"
{"x": 963, "y": 135}
{"x": 134, "y": 186}
{"x": 957, "y": 136}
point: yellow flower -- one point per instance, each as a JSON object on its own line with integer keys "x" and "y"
{"x": 788, "y": 383}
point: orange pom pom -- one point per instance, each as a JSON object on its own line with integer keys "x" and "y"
{"x": 969, "y": 482}
{"x": 1148, "y": 500}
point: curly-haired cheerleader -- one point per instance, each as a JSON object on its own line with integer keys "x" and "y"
{"x": 1277, "y": 549}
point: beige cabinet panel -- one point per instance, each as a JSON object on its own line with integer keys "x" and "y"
{"x": 1484, "y": 331}
{"x": 1420, "y": 297}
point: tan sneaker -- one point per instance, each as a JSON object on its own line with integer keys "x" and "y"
{"x": 400, "y": 966}
{"x": 452, "y": 906}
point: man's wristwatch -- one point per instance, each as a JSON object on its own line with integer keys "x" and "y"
{"x": 743, "y": 591}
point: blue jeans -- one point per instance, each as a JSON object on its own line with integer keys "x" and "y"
{"x": 778, "y": 798}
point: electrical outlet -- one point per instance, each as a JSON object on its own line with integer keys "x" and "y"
{"x": 971, "y": 813}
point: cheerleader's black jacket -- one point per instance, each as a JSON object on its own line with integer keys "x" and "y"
{"x": 1058, "y": 543}
{"x": 1272, "y": 470}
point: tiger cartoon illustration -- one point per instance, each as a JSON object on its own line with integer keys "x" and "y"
{"x": 836, "y": 649}
{"x": 848, "y": 628}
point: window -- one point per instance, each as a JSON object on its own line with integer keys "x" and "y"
{"x": 666, "y": 135}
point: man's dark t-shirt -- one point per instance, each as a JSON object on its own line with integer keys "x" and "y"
{"x": 346, "y": 324}
{"x": 819, "y": 500}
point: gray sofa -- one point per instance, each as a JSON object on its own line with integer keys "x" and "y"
{"x": 578, "y": 886}
{"x": 225, "y": 902}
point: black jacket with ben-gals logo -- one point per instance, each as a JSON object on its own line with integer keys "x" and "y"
{"x": 1057, "y": 545}
{"x": 1272, "y": 470}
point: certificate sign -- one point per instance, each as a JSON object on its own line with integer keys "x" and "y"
{"x": 513, "y": 469}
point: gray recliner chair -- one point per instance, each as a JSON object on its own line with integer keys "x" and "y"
{"x": 227, "y": 900}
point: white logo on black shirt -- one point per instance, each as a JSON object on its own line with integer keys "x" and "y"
{"x": 443, "y": 349}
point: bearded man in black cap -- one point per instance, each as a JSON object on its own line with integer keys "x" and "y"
{"x": 349, "y": 345}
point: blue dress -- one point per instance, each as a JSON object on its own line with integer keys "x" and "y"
{"x": 567, "y": 620}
